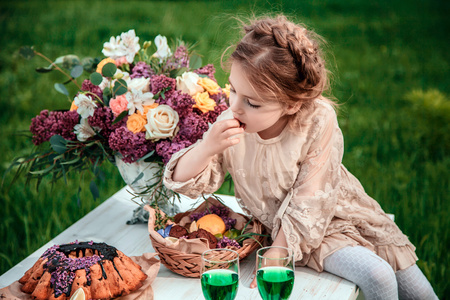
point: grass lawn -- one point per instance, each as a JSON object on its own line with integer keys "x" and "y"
{"x": 390, "y": 63}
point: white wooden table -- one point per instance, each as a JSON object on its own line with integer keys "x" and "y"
{"x": 107, "y": 223}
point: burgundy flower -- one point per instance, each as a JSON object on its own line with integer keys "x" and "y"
{"x": 141, "y": 69}
{"x": 89, "y": 87}
{"x": 161, "y": 82}
{"x": 167, "y": 148}
{"x": 132, "y": 146}
{"x": 48, "y": 124}
{"x": 207, "y": 70}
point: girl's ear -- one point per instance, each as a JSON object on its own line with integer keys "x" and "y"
{"x": 292, "y": 109}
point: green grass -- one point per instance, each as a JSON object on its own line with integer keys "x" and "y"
{"x": 380, "y": 51}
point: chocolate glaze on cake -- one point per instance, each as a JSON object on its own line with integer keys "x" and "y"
{"x": 64, "y": 268}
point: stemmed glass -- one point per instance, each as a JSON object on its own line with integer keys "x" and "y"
{"x": 275, "y": 272}
{"x": 220, "y": 274}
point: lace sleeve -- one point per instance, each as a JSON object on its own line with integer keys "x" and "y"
{"x": 309, "y": 207}
{"x": 208, "y": 181}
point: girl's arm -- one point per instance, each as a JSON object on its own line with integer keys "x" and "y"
{"x": 219, "y": 137}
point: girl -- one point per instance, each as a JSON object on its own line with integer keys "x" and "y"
{"x": 282, "y": 145}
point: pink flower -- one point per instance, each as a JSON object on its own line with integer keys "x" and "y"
{"x": 118, "y": 105}
{"x": 121, "y": 61}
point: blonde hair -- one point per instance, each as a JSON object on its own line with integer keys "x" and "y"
{"x": 283, "y": 62}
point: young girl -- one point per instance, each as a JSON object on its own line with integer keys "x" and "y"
{"x": 282, "y": 145}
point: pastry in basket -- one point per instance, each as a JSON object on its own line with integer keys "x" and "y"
{"x": 180, "y": 240}
{"x": 102, "y": 271}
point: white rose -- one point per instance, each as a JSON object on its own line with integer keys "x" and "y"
{"x": 163, "y": 50}
{"x": 140, "y": 84}
{"x": 162, "y": 123}
{"x": 187, "y": 83}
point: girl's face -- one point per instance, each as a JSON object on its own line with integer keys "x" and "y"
{"x": 267, "y": 118}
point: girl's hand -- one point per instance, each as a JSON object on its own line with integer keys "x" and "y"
{"x": 221, "y": 136}
{"x": 271, "y": 253}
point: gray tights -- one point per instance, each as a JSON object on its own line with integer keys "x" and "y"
{"x": 376, "y": 278}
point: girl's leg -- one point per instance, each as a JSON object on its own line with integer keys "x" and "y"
{"x": 374, "y": 276}
{"x": 412, "y": 284}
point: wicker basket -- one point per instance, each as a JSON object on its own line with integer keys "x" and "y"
{"x": 189, "y": 264}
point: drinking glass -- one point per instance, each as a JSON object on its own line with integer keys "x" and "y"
{"x": 220, "y": 274}
{"x": 275, "y": 272}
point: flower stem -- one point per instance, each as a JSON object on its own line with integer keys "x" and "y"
{"x": 58, "y": 68}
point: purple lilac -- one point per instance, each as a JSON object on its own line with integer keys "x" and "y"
{"x": 102, "y": 119}
{"x": 167, "y": 148}
{"x": 207, "y": 70}
{"x": 160, "y": 82}
{"x": 229, "y": 222}
{"x": 227, "y": 242}
{"x": 47, "y": 124}
{"x": 88, "y": 86}
{"x": 211, "y": 116}
{"x": 141, "y": 69}
{"x": 131, "y": 146}
{"x": 181, "y": 102}
{"x": 192, "y": 128}
{"x": 220, "y": 98}
{"x": 63, "y": 268}
{"x": 180, "y": 58}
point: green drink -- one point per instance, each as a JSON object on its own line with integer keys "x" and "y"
{"x": 275, "y": 283}
{"x": 219, "y": 284}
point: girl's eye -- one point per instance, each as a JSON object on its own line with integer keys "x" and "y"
{"x": 251, "y": 105}
{"x": 232, "y": 91}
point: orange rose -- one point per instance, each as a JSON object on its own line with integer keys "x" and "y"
{"x": 146, "y": 109}
{"x": 103, "y": 63}
{"x": 136, "y": 123}
{"x": 203, "y": 102}
{"x": 73, "y": 106}
{"x": 209, "y": 85}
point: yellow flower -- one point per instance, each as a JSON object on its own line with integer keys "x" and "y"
{"x": 136, "y": 123}
{"x": 226, "y": 90}
{"x": 146, "y": 109}
{"x": 209, "y": 85}
{"x": 73, "y": 106}
{"x": 203, "y": 102}
{"x": 103, "y": 63}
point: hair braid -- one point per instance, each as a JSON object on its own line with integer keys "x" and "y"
{"x": 283, "y": 61}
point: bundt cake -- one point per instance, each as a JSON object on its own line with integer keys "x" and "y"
{"x": 102, "y": 271}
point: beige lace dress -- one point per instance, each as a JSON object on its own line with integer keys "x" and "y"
{"x": 296, "y": 181}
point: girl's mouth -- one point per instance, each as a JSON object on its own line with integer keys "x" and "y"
{"x": 241, "y": 125}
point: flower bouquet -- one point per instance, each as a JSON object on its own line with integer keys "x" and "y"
{"x": 181, "y": 240}
{"x": 136, "y": 108}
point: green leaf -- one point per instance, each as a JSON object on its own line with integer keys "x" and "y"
{"x": 76, "y": 71}
{"x": 94, "y": 190}
{"x": 26, "y": 52}
{"x": 146, "y": 156}
{"x": 137, "y": 178}
{"x": 61, "y": 88}
{"x": 109, "y": 70}
{"x": 59, "y": 144}
{"x": 120, "y": 87}
{"x": 195, "y": 61}
{"x": 96, "y": 78}
{"x": 45, "y": 69}
{"x": 177, "y": 72}
{"x": 120, "y": 117}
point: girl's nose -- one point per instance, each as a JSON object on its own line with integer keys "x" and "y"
{"x": 235, "y": 106}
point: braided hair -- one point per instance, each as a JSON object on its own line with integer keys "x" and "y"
{"x": 283, "y": 62}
